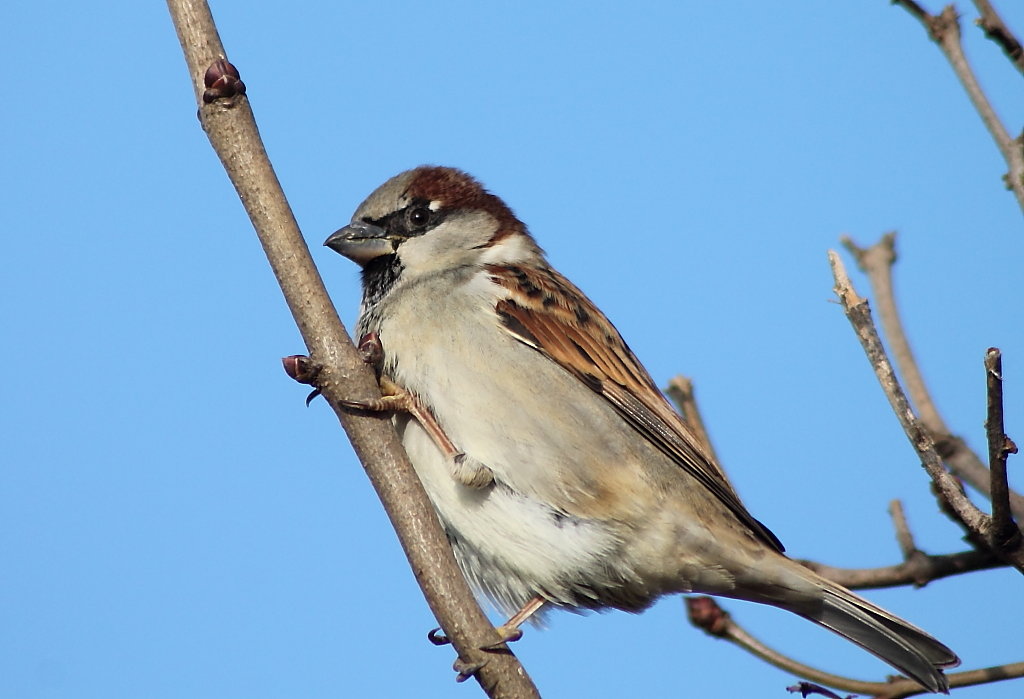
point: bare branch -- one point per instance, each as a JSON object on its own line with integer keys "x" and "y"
{"x": 996, "y": 30}
{"x": 944, "y": 29}
{"x": 806, "y": 689}
{"x": 876, "y": 262}
{"x": 1004, "y": 530}
{"x": 913, "y": 8}
{"x": 903, "y": 536}
{"x": 228, "y": 121}
{"x": 857, "y": 311}
{"x": 706, "y": 614}
{"x": 951, "y": 495}
{"x": 680, "y": 390}
{"x": 918, "y": 570}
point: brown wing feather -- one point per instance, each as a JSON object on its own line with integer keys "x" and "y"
{"x": 546, "y": 311}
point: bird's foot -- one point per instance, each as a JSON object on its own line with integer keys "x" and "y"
{"x": 466, "y": 670}
{"x": 437, "y": 637}
{"x": 510, "y": 631}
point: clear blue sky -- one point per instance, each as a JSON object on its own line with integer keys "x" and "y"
{"x": 175, "y": 523}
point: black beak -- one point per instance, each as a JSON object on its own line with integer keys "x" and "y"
{"x": 361, "y": 242}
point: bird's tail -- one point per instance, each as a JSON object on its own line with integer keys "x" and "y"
{"x": 899, "y": 643}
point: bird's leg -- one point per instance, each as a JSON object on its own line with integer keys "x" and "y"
{"x": 394, "y": 398}
{"x": 510, "y": 631}
{"x": 465, "y": 469}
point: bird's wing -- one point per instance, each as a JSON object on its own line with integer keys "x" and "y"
{"x": 544, "y": 310}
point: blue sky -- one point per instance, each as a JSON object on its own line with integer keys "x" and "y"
{"x": 174, "y": 522}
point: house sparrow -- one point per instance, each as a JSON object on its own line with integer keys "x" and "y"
{"x": 561, "y": 474}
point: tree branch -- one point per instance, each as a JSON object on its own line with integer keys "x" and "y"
{"x": 948, "y": 490}
{"x": 944, "y": 29}
{"x": 1004, "y": 531}
{"x": 903, "y": 536}
{"x": 680, "y": 390}
{"x": 996, "y": 30}
{"x": 918, "y": 570}
{"x": 877, "y": 262}
{"x": 706, "y": 614}
{"x": 228, "y": 121}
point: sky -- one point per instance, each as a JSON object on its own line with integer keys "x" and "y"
{"x": 175, "y": 522}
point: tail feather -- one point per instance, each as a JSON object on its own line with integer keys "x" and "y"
{"x": 902, "y": 645}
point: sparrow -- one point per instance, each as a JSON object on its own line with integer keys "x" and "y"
{"x": 560, "y": 473}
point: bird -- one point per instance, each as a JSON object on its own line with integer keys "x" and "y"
{"x": 561, "y": 475}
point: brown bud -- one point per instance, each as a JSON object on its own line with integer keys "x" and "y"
{"x": 705, "y": 614}
{"x": 371, "y": 349}
{"x": 300, "y": 368}
{"x": 222, "y": 80}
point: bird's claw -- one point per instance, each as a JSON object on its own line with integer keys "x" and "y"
{"x": 437, "y": 637}
{"x": 385, "y": 404}
{"x": 466, "y": 670}
{"x": 507, "y": 635}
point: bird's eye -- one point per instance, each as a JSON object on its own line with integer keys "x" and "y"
{"x": 420, "y": 216}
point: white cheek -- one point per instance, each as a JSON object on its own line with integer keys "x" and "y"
{"x": 512, "y": 250}
{"x": 453, "y": 244}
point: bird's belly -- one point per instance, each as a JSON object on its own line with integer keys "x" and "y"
{"x": 570, "y": 485}
{"x": 513, "y": 547}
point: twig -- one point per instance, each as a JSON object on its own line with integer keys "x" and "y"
{"x": 1004, "y": 530}
{"x": 996, "y": 30}
{"x": 947, "y": 488}
{"x": 225, "y": 115}
{"x": 806, "y": 689}
{"x": 903, "y": 536}
{"x": 918, "y": 570}
{"x": 706, "y": 614}
{"x": 944, "y": 29}
{"x": 680, "y": 390}
{"x": 877, "y": 262}
{"x": 856, "y": 309}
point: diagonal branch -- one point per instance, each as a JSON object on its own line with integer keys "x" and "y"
{"x": 996, "y": 30}
{"x": 904, "y": 537}
{"x": 948, "y": 489}
{"x": 228, "y": 121}
{"x": 877, "y": 261}
{"x": 706, "y": 614}
{"x": 944, "y": 29}
{"x": 1004, "y": 531}
{"x": 680, "y": 390}
{"x": 917, "y": 570}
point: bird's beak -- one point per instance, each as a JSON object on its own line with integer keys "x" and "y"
{"x": 361, "y": 242}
